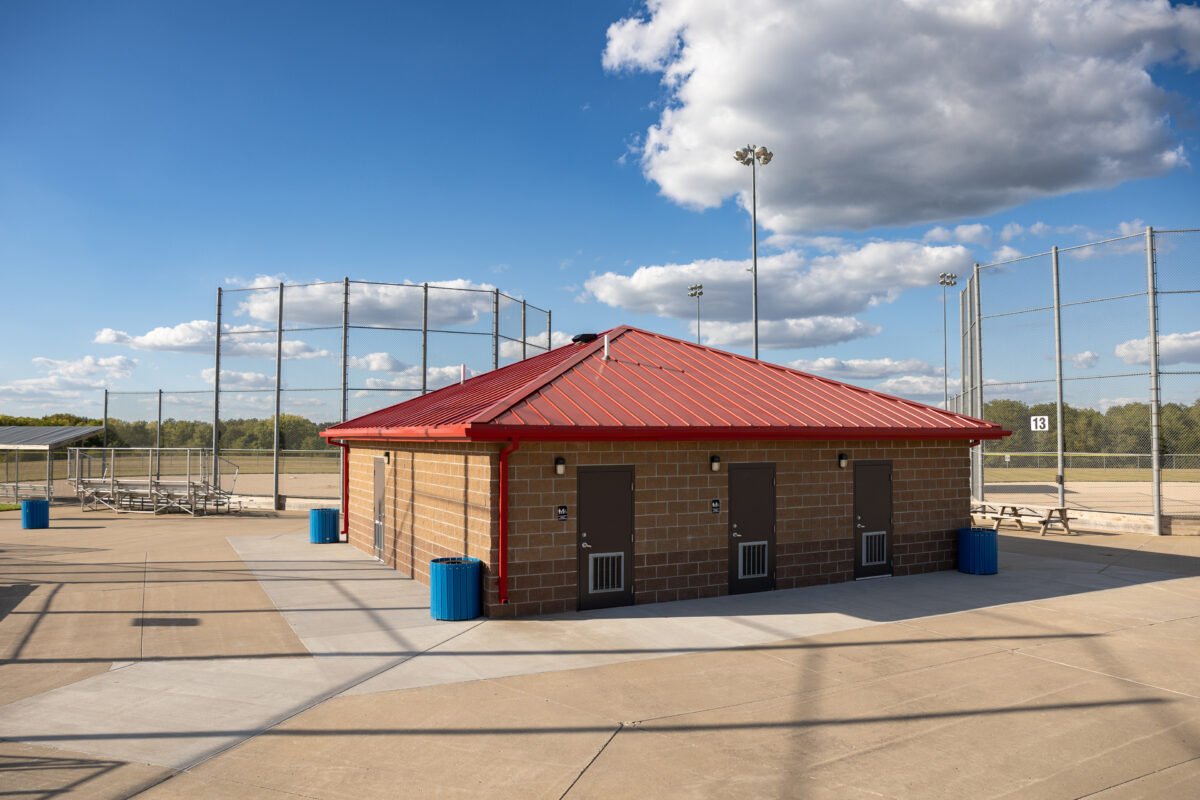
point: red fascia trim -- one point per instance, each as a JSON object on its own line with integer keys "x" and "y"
{"x": 502, "y": 567}
{"x": 492, "y": 433}
{"x": 447, "y": 433}
{"x": 345, "y": 487}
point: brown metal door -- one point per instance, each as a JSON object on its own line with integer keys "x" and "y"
{"x": 380, "y": 504}
{"x": 872, "y": 519}
{"x": 605, "y": 536}
{"x": 751, "y": 527}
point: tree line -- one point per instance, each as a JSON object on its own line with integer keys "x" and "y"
{"x": 295, "y": 432}
{"x": 1120, "y": 429}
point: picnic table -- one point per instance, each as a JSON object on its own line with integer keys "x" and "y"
{"x": 1045, "y": 516}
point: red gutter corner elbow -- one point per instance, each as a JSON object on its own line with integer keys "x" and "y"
{"x": 345, "y": 488}
{"x": 502, "y": 567}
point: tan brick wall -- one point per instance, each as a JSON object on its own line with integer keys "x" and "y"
{"x": 680, "y": 546}
{"x": 440, "y": 501}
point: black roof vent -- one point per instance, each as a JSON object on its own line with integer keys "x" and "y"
{"x": 584, "y": 338}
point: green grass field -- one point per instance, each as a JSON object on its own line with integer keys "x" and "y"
{"x": 9, "y": 507}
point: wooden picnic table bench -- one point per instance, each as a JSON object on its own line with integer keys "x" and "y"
{"x": 1045, "y": 516}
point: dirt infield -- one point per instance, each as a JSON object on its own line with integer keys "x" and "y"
{"x": 1117, "y": 496}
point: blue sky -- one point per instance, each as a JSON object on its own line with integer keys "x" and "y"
{"x": 577, "y": 155}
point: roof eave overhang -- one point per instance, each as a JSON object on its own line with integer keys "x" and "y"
{"x": 441, "y": 433}
{"x": 548, "y": 433}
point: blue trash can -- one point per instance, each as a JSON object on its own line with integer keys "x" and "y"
{"x": 323, "y": 526}
{"x": 978, "y": 551}
{"x": 35, "y": 514}
{"x": 454, "y": 588}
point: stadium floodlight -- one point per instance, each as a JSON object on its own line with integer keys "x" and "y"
{"x": 945, "y": 279}
{"x": 696, "y": 290}
{"x": 750, "y": 156}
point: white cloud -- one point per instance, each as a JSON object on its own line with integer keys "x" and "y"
{"x": 788, "y": 333}
{"x": 1006, "y": 253}
{"x": 791, "y": 285}
{"x": 197, "y": 336}
{"x": 536, "y": 342}
{"x": 862, "y": 369}
{"x": 900, "y": 111}
{"x": 1173, "y": 348}
{"x": 378, "y": 362}
{"x": 914, "y": 387}
{"x": 231, "y": 379}
{"x": 66, "y": 385}
{"x": 453, "y": 302}
{"x": 410, "y": 379}
{"x": 1131, "y": 227}
{"x": 112, "y": 367}
{"x": 1085, "y": 360}
{"x": 975, "y": 233}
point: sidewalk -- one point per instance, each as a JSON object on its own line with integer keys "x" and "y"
{"x": 228, "y": 657}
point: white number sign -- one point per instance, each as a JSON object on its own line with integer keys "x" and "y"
{"x": 1039, "y": 423}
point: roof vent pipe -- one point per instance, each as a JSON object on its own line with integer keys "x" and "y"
{"x": 462, "y": 376}
{"x": 606, "y": 347}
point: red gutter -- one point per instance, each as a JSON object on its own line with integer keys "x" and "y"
{"x": 502, "y": 569}
{"x": 583, "y": 433}
{"x": 345, "y": 488}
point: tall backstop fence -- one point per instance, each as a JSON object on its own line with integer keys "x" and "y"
{"x": 1090, "y": 354}
{"x": 292, "y": 359}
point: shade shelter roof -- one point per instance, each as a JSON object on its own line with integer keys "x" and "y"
{"x": 634, "y": 384}
{"x": 44, "y": 437}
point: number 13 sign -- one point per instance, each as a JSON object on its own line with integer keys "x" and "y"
{"x": 1039, "y": 423}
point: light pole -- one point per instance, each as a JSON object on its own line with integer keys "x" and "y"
{"x": 696, "y": 290}
{"x": 945, "y": 279}
{"x": 748, "y": 156}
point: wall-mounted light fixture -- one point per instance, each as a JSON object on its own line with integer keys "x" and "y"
{"x": 560, "y": 466}
{"x": 714, "y": 463}
{"x": 387, "y": 456}
{"x": 843, "y": 460}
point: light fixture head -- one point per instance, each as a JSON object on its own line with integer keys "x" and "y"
{"x": 741, "y": 156}
{"x": 560, "y": 465}
{"x": 714, "y": 463}
{"x": 764, "y": 155}
{"x": 843, "y": 460}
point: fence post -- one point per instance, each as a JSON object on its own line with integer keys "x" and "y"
{"x": 1155, "y": 445}
{"x": 979, "y": 373}
{"x": 1059, "y": 476}
{"x": 425, "y": 339}
{"x": 105, "y": 418}
{"x": 495, "y": 328}
{"x": 549, "y": 331}
{"x": 345, "y": 342}
{"x": 216, "y": 431}
{"x": 158, "y": 440}
{"x": 278, "y": 387}
{"x": 524, "y": 355}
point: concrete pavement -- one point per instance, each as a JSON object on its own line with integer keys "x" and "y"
{"x": 227, "y": 657}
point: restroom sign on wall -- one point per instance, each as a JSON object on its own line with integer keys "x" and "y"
{"x": 1039, "y": 423}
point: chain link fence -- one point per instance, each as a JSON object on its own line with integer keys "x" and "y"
{"x": 1088, "y": 354}
{"x": 292, "y": 359}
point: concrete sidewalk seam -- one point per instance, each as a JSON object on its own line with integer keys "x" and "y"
{"x": 1106, "y": 674}
{"x": 586, "y": 767}
{"x": 1138, "y": 778}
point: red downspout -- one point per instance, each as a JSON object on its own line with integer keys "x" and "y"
{"x": 502, "y": 570}
{"x": 345, "y": 489}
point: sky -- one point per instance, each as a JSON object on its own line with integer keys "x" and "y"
{"x": 578, "y": 157}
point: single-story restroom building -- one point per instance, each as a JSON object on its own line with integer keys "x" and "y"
{"x": 631, "y": 467}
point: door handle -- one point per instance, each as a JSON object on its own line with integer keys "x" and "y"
{"x": 859, "y": 525}
{"x": 585, "y": 544}
{"x": 737, "y": 535}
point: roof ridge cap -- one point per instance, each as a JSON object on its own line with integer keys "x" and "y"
{"x": 504, "y": 404}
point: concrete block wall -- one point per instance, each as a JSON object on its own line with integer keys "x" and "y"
{"x": 440, "y": 503}
{"x": 680, "y": 546}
